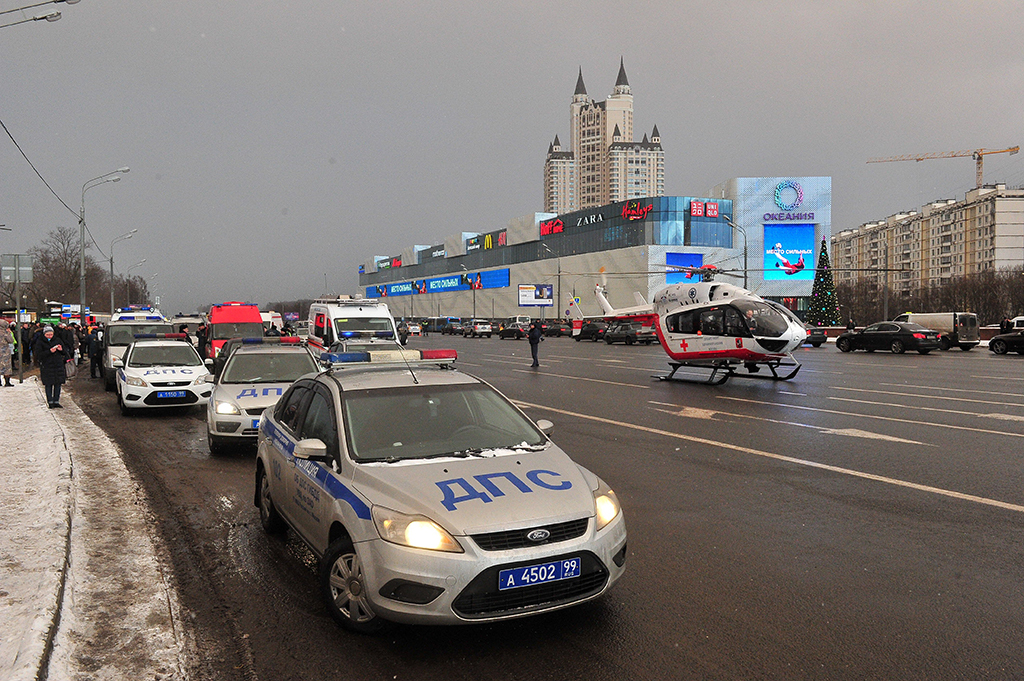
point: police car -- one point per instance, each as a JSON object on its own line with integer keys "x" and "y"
{"x": 161, "y": 370}
{"x": 430, "y": 498}
{"x": 254, "y": 376}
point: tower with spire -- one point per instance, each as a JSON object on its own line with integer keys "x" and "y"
{"x": 603, "y": 163}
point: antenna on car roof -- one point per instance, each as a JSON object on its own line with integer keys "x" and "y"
{"x": 408, "y": 366}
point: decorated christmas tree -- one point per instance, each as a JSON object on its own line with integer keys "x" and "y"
{"x": 823, "y": 309}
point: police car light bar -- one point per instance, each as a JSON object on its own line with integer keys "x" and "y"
{"x": 367, "y": 334}
{"x": 271, "y": 340}
{"x": 171, "y": 336}
{"x": 396, "y": 357}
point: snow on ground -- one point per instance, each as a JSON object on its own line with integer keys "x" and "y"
{"x": 118, "y": 617}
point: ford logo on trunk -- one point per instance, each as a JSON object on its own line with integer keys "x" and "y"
{"x": 538, "y": 535}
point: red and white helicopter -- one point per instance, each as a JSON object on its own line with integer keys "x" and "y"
{"x": 712, "y": 325}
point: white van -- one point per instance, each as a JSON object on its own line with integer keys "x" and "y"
{"x": 347, "y": 318}
{"x": 955, "y": 328}
{"x": 271, "y": 318}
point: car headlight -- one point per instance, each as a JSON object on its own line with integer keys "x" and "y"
{"x": 138, "y": 382}
{"x": 607, "y": 505}
{"x": 416, "y": 531}
{"x": 226, "y": 408}
{"x": 201, "y": 380}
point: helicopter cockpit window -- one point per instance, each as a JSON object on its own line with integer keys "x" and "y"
{"x": 762, "y": 319}
{"x": 712, "y": 322}
{"x": 734, "y": 323}
{"x": 683, "y": 322}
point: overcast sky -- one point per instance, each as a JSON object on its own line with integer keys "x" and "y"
{"x": 271, "y": 143}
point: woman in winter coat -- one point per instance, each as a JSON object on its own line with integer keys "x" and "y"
{"x": 6, "y": 344}
{"x": 51, "y": 354}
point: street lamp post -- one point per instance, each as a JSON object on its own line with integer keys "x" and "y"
{"x": 123, "y": 237}
{"x": 744, "y": 233}
{"x": 113, "y": 176}
{"x": 128, "y": 280}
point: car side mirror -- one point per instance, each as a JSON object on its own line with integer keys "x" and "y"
{"x": 208, "y": 362}
{"x": 310, "y": 449}
{"x": 546, "y": 427}
{"x": 116, "y": 363}
{"x": 209, "y": 378}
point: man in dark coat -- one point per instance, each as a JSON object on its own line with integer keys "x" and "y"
{"x": 95, "y": 353}
{"x": 201, "y": 339}
{"x": 26, "y": 344}
{"x": 51, "y": 352}
{"x": 536, "y": 336}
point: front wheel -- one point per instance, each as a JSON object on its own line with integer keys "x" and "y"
{"x": 843, "y": 344}
{"x": 999, "y": 347}
{"x": 897, "y": 347}
{"x": 344, "y": 591}
{"x": 943, "y": 343}
{"x": 125, "y": 409}
{"x": 577, "y": 339}
{"x": 608, "y": 341}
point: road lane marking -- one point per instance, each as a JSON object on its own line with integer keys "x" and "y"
{"x": 956, "y": 390}
{"x": 1004, "y": 417}
{"x": 506, "y": 359}
{"x": 467, "y": 364}
{"x": 928, "y": 397}
{"x": 819, "y": 371}
{"x": 708, "y": 414}
{"x": 872, "y": 416}
{"x": 784, "y": 392}
{"x": 1001, "y": 378}
{"x": 581, "y": 378}
{"x": 788, "y": 459}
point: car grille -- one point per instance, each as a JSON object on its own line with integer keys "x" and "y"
{"x": 482, "y": 598}
{"x": 255, "y": 412}
{"x": 189, "y": 398}
{"x": 171, "y": 384}
{"x": 251, "y": 431}
{"x": 516, "y": 539}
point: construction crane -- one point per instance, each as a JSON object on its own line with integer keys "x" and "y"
{"x": 977, "y": 154}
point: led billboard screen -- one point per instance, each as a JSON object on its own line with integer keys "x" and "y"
{"x": 789, "y": 252}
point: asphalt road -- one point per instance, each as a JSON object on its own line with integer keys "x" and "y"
{"x": 861, "y": 521}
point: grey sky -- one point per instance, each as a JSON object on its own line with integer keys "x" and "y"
{"x": 273, "y": 142}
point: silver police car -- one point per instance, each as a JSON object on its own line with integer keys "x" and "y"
{"x": 253, "y": 377}
{"x": 430, "y": 498}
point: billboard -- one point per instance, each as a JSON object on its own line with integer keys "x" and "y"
{"x": 789, "y": 252}
{"x": 683, "y": 260}
{"x": 536, "y": 295}
{"x": 466, "y": 281}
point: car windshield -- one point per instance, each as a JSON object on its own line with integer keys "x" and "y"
{"x": 395, "y": 424}
{"x": 226, "y": 330}
{"x": 762, "y": 319}
{"x": 125, "y": 334}
{"x": 362, "y": 324}
{"x": 267, "y": 367}
{"x": 177, "y": 355}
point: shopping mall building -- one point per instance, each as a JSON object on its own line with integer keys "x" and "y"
{"x": 768, "y": 229}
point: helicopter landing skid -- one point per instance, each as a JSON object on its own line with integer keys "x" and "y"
{"x": 723, "y": 371}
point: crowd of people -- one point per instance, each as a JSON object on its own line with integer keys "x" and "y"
{"x": 51, "y": 348}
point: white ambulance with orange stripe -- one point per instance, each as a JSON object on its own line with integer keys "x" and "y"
{"x": 347, "y": 318}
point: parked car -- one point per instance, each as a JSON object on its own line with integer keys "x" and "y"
{"x": 629, "y": 333}
{"x": 897, "y": 337}
{"x": 816, "y": 336}
{"x": 558, "y": 328}
{"x": 1007, "y": 342}
{"x": 956, "y": 329}
{"x": 452, "y": 329}
{"x": 514, "y": 330}
{"x": 477, "y": 327}
{"x": 592, "y": 331}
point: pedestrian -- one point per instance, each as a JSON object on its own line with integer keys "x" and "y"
{"x": 26, "y": 344}
{"x": 1005, "y": 326}
{"x": 51, "y": 353}
{"x": 273, "y": 331}
{"x": 536, "y": 336}
{"x": 850, "y": 326}
{"x": 95, "y": 353}
{"x": 6, "y": 354}
{"x": 201, "y": 339}
{"x": 184, "y": 329}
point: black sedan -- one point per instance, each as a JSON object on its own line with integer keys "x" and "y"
{"x": 592, "y": 331}
{"x": 559, "y": 328}
{"x": 629, "y": 333}
{"x": 452, "y": 329}
{"x": 515, "y": 330}
{"x": 1007, "y": 342}
{"x": 897, "y": 337}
